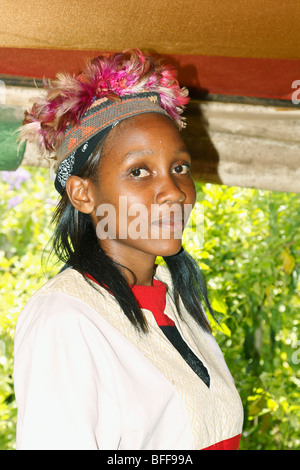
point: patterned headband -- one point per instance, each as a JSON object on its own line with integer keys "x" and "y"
{"x": 80, "y": 141}
{"x": 75, "y": 112}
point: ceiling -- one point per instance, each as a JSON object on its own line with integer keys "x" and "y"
{"x": 228, "y": 47}
{"x": 240, "y": 60}
{"x": 234, "y": 28}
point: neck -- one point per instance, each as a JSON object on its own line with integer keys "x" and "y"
{"x": 140, "y": 263}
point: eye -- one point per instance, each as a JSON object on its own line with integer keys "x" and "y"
{"x": 139, "y": 173}
{"x": 182, "y": 169}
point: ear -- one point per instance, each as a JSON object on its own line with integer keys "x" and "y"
{"x": 80, "y": 194}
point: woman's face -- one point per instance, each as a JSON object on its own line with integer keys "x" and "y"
{"x": 144, "y": 188}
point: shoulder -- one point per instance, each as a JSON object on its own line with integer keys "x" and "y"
{"x": 54, "y": 312}
{"x": 71, "y": 284}
{"x": 63, "y": 302}
{"x": 67, "y": 281}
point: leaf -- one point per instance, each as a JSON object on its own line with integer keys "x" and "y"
{"x": 256, "y": 406}
{"x": 219, "y": 305}
{"x": 265, "y": 422}
{"x": 204, "y": 266}
{"x": 225, "y": 329}
{"x": 288, "y": 262}
{"x": 272, "y": 404}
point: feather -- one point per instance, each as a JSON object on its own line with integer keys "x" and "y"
{"x": 68, "y": 97}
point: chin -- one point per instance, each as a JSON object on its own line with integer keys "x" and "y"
{"x": 167, "y": 247}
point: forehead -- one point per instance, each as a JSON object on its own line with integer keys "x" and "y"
{"x": 141, "y": 132}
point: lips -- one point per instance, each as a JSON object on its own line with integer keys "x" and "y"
{"x": 169, "y": 221}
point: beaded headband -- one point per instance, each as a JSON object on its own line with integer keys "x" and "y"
{"x": 80, "y": 141}
{"x": 76, "y": 112}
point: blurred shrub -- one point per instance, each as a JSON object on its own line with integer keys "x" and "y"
{"x": 246, "y": 241}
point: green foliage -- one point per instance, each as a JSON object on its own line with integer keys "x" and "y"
{"x": 250, "y": 255}
{"x": 248, "y": 245}
{"x": 25, "y": 209}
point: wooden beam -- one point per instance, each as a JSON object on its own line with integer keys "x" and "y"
{"x": 231, "y": 143}
{"x": 245, "y": 145}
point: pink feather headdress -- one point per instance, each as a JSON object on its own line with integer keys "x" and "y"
{"x": 67, "y": 97}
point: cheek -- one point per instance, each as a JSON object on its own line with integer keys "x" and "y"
{"x": 190, "y": 191}
{"x": 133, "y": 216}
{"x": 107, "y": 188}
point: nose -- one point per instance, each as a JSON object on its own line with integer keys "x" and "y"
{"x": 168, "y": 191}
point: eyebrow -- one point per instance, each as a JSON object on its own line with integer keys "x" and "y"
{"x": 133, "y": 153}
{"x": 149, "y": 152}
{"x": 184, "y": 150}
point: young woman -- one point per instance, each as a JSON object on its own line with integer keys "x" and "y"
{"x": 116, "y": 352}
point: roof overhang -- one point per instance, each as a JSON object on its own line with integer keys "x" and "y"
{"x": 240, "y": 60}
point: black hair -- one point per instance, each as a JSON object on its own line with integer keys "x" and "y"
{"x": 75, "y": 243}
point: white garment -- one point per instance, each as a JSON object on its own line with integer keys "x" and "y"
{"x": 85, "y": 379}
